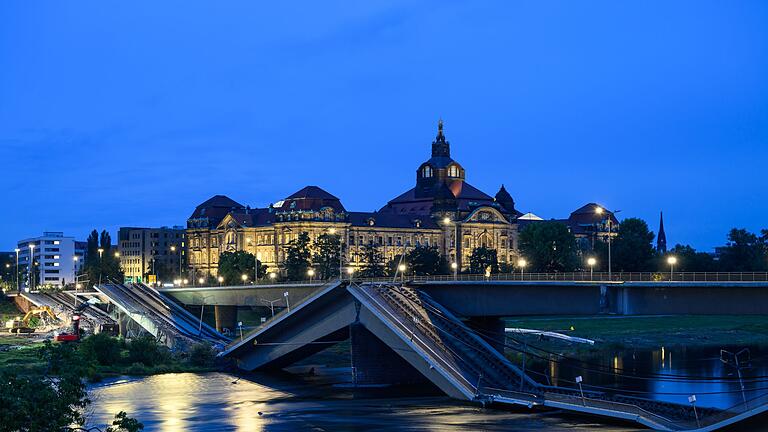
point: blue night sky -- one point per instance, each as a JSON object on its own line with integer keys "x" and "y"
{"x": 131, "y": 113}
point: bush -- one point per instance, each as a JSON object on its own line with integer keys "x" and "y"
{"x": 202, "y": 355}
{"x": 145, "y": 350}
{"x": 102, "y": 348}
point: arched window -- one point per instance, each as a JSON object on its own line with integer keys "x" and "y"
{"x": 426, "y": 172}
{"x": 453, "y": 171}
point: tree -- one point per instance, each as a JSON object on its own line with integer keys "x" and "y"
{"x": 425, "y": 261}
{"x": 372, "y": 262}
{"x": 297, "y": 256}
{"x": 482, "y": 259}
{"x": 744, "y": 251}
{"x": 326, "y": 258}
{"x": 549, "y": 247}
{"x": 101, "y": 266}
{"x": 233, "y": 265}
{"x": 689, "y": 260}
{"x": 633, "y": 249}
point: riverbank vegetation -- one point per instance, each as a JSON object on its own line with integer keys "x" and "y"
{"x": 102, "y": 355}
{"x": 47, "y": 392}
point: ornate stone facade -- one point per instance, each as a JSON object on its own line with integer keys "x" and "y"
{"x": 442, "y": 210}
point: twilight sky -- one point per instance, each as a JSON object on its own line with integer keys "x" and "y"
{"x": 131, "y": 113}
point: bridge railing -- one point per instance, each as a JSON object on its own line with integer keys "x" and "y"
{"x": 588, "y": 277}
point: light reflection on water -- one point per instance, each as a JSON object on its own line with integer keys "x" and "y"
{"x": 210, "y": 402}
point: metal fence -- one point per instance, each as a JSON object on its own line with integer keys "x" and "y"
{"x": 588, "y": 277}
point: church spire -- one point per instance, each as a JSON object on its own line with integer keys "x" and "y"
{"x": 440, "y": 147}
{"x": 661, "y": 238}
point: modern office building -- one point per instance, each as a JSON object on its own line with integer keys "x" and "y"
{"x": 151, "y": 254}
{"x": 53, "y": 258}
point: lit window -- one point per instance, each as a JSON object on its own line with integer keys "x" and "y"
{"x": 427, "y": 171}
{"x": 453, "y": 171}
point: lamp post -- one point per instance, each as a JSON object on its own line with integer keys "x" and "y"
{"x": 74, "y": 270}
{"x": 522, "y": 263}
{"x": 591, "y": 262}
{"x": 31, "y": 266}
{"x": 599, "y": 210}
{"x": 244, "y": 278}
{"x": 671, "y": 261}
{"x": 256, "y": 258}
{"x": 287, "y": 304}
{"x": 311, "y": 274}
{"x": 220, "y": 279}
{"x": 402, "y": 268}
{"x": 173, "y": 249}
{"x": 18, "y": 285}
{"x": 455, "y": 268}
{"x": 350, "y": 272}
{"x": 101, "y": 263}
{"x": 272, "y": 275}
{"x": 447, "y": 221}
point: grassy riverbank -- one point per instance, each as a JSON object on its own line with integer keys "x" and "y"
{"x": 20, "y": 354}
{"x": 618, "y": 332}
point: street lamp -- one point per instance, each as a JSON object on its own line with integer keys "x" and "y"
{"x": 173, "y": 249}
{"x": 256, "y": 260}
{"x": 18, "y": 286}
{"x": 311, "y": 274}
{"x": 350, "y": 272}
{"x": 599, "y": 211}
{"x": 332, "y": 231}
{"x": 220, "y": 279}
{"x": 455, "y": 267}
{"x": 101, "y": 263}
{"x": 401, "y": 268}
{"x": 447, "y": 221}
{"x": 31, "y": 266}
{"x": 244, "y": 278}
{"x": 522, "y": 263}
{"x": 272, "y": 275}
{"x": 591, "y": 263}
{"x": 287, "y": 304}
{"x": 671, "y": 261}
{"x": 201, "y": 281}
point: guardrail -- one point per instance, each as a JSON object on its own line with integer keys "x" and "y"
{"x": 588, "y": 277}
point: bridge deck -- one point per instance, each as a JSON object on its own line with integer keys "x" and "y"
{"x": 448, "y": 353}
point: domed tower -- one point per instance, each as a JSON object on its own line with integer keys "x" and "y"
{"x": 439, "y": 169}
{"x": 504, "y": 199}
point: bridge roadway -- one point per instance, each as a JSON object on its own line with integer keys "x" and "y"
{"x": 497, "y": 298}
{"x": 401, "y": 334}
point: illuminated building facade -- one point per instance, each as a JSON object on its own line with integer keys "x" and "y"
{"x": 441, "y": 210}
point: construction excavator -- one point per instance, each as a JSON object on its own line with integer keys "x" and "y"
{"x": 23, "y": 325}
{"x": 73, "y": 334}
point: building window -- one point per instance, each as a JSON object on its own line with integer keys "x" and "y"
{"x": 426, "y": 172}
{"x": 453, "y": 171}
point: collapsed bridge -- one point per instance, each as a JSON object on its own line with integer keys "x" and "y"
{"x": 402, "y": 335}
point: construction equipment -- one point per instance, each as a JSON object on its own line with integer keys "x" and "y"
{"x": 73, "y": 335}
{"x": 23, "y": 325}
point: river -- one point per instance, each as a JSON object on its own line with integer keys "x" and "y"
{"x": 325, "y": 402}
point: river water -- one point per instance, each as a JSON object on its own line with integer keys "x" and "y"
{"x": 325, "y": 401}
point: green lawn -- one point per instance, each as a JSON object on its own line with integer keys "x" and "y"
{"x": 652, "y": 331}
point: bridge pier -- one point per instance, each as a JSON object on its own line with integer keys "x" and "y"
{"x": 226, "y": 317}
{"x": 491, "y": 329}
{"x": 374, "y": 363}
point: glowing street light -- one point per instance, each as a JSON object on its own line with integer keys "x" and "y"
{"x": 18, "y": 285}
{"x": 311, "y": 274}
{"x": 31, "y": 266}
{"x": 272, "y": 275}
{"x": 220, "y": 279}
{"x": 401, "y": 268}
{"x": 672, "y": 260}
{"x": 599, "y": 211}
{"x": 455, "y": 267}
{"x": 591, "y": 261}
{"x": 201, "y": 281}
{"x": 522, "y": 263}
{"x": 244, "y": 278}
